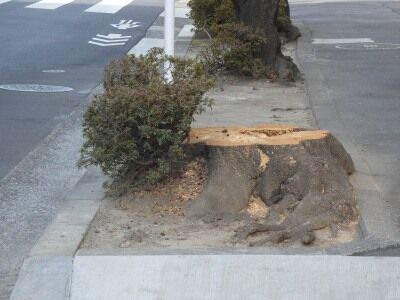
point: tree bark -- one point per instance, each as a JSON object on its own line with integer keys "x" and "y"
{"x": 301, "y": 175}
{"x": 284, "y": 23}
{"x": 262, "y": 15}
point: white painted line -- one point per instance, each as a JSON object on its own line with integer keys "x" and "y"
{"x": 4, "y": 1}
{"x": 114, "y": 36}
{"x": 187, "y": 32}
{"x": 110, "y": 41}
{"x": 106, "y": 45}
{"x": 108, "y": 6}
{"x": 156, "y": 28}
{"x": 145, "y": 45}
{"x": 53, "y": 71}
{"x": 180, "y": 12}
{"x": 341, "y": 41}
{"x": 49, "y": 4}
{"x": 369, "y": 46}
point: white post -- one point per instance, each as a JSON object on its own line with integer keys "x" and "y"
{"x": 169, "y": 27}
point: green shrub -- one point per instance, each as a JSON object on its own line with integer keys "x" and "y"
{"x": 208, "y": 14}
{"x": 235, "y": 48}
{"x": 137, "y": 127}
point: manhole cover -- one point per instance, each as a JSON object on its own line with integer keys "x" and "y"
{"x": 37, "y": 88}
{"x": 369, "y": 46}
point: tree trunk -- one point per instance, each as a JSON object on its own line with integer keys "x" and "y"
{"x": 262, "y": 15}
{"x": 284, "y": 23}
{"x": 301, "y": 175}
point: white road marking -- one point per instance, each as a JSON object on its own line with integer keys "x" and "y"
{"x": 108, "y": 6}
{"x": 114, "y": 36}
{"x": 145, "y": 45}
{"x": 187, "y": 32}
{"x": 4, "y": 1}
{"x": 53, "y": 71}
{"x": 49, "y": 4}
{"x": 106, "y": 45}
{"x": 341, "y": 41}
{"x": 111, "y": 39}
{"x": 123, "y": 25}
{"x": 369, "y": 46}
{"x": 180, "y": 12}
{"x": 156, "y": 28}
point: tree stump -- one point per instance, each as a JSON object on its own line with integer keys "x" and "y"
{"x": 301, "y": 175}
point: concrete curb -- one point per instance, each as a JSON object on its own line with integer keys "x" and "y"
{"x": 376, "y": 225}
{"x": 47, "y": 272}
{"x": 64, "y": 235}
{"x": 354, "y": 248}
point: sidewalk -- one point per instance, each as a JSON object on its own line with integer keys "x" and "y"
{"x": 223, "y": 277}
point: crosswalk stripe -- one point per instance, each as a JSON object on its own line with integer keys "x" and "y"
{"x": 180, "y": 12}
{"x": 187, "y": 31}
{"x": 145, "y": 45}
{"x": 49, "y": 4}
{"x": 108, "y": 6}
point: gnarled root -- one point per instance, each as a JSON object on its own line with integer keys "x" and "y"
{"x": 262, "y": 234}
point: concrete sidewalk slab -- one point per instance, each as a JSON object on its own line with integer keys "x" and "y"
{"x": 234, "y": 277}
{"x": 44, "y": 278}
{"x": 254, "y": 102}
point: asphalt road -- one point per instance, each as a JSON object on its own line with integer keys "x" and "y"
{"x": 33, "y": 40}
{"x": 354, "y": 88}
{"x": 40, "y": 132}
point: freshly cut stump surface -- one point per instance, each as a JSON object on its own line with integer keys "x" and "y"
{"x": 301, "y": 175}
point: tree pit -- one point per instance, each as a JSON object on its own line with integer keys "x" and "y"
{"x": 269, "y": 186}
